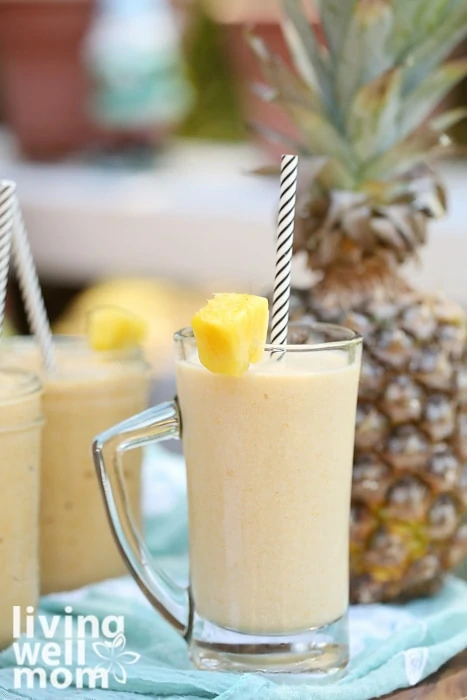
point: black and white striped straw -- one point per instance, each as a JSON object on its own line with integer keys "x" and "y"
{"x": 30, "y": 289}
{"x": 286, "y": 228}
{"x": 7, "y": 193}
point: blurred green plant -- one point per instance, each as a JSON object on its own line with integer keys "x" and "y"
{"x": 217, "y": 113}
{"x": 462, "y": 571}
{"x": 8, "y": 328}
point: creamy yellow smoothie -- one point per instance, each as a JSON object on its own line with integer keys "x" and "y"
{"x": 20, "y": 432}
{"x": 89, "y": 392}
{"x": 269, "y": 464}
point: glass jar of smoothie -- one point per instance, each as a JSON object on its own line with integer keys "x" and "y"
{"x": 20, "y": 432}
{"x": 88, "y": 393}
{"x": 269, "y": 470}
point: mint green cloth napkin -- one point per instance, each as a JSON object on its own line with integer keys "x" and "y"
{"x": 392, "y": 646}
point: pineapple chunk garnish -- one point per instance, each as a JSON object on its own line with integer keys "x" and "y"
{"x": 112, "y": 328}
{"x": 230, "y": 332}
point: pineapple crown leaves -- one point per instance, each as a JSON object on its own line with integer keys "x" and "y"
{"x": 342, "y": 228}
{"x": 373, "y": 82}
{"x": 360, "y": 98}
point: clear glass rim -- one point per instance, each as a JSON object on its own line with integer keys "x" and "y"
{"x": 79, "y": 344}
{"x": 349, "y": 339}
{"x": 28, "y": 384}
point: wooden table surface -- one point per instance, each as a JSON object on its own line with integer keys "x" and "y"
{"x": 450, "y": 683}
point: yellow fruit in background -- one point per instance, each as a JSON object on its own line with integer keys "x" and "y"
{"x": 165, "y": 307}
{"x": 230, "y": 332}
{"x": 112, "y": 328}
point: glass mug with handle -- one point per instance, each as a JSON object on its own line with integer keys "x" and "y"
{"x": 269, "y": 464}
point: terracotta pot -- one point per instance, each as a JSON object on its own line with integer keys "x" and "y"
{"x": 241, "y": 11}
{"x": 44, "y": 83}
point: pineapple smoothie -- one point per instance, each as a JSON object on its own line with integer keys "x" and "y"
{"x": 89, "y": 392}
{"x": 20, "y": 432}
{"x": 269, "y": 464}
{"x": 268, "y": 436}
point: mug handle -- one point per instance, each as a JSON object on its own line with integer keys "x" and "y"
{"x": 154, "y": 425}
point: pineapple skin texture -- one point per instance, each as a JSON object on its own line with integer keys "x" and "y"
{"x": 409, "y": 498}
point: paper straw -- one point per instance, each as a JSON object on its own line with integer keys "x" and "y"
{"x": 7, "y": 193}
{"x": 286, "y": 228}
{"x": 30, "y": 289}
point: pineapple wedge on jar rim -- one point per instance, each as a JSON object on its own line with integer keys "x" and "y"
{"x": 230, "y": 332}
{"x": 112, "y": 328}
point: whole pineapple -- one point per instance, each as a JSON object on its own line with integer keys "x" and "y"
{"x": 361, "y": 102}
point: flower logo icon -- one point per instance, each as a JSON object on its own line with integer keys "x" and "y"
{"x": 115, "y": 657}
